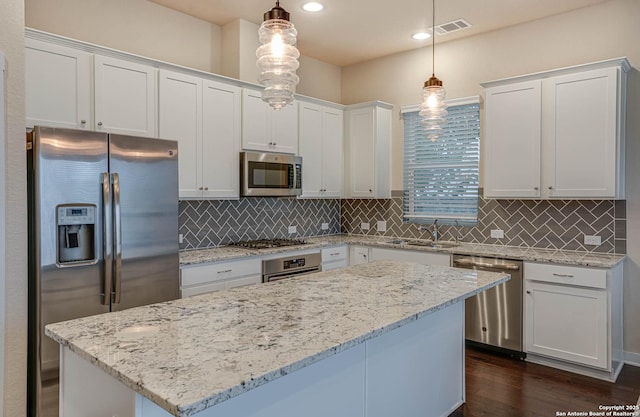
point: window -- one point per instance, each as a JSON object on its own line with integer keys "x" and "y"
{"x": 441, "y": 178}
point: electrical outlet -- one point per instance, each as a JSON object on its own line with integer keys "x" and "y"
{"x": 364, "y": 226}
{"x": 497, "y": 234}
{"x": 382, "y": 226}
{"x": 180, "y": 238}
{"x": 325, "y": 226}
{"x": 293, "y": 229}
{"x": 592, "y": 240}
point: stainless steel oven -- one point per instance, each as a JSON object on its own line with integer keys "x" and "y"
{"x": 270, "y": 174}
{"x": 493, "y": 318}
{"x": 290, "y": 266}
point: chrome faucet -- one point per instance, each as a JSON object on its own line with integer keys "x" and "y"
{"x": 435, "y": 234}
{"x": 458, "y": 235}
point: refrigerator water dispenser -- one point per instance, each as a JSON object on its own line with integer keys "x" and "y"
{"x": 76, "y": 234}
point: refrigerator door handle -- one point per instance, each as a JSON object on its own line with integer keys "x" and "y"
{"x": 107, "y": 239}
{"x": 117, "y": 228}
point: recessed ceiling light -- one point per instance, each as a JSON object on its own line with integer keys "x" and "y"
{"x": 312, "y": 6}
{"x": 420, "y": 36}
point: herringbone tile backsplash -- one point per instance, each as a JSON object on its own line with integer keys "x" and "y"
{"x": 211, "y": 223}
{"x": 526, "y": 223}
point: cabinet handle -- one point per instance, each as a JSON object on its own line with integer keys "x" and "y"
{"x": 275, "y": 144}
{"x": 84, "y": 122}
{"x": 528, "y": 292}
{"x": 563, "y": 275}
{"x": 206, "y": 188}
{"x": 99, "y": 123}
{"x": 370, "y": 190}
{"x": 200, "y": 188}
{"x": 536, "y": 188}
{"x": 334, "y": 254}
{"x": 225, "y": 271}
{"x": 550, "y": 187}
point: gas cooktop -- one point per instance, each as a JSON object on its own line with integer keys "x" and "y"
{"x": 268, "y": 243}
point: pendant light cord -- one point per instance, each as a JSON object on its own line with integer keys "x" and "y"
{"x": 433, "y": 41}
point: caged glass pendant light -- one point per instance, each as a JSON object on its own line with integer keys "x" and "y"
{"x": 278, "y": 58}
{"x": 433, "y": 109}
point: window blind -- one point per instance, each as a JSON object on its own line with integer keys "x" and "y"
{"x": 441, "y": 178}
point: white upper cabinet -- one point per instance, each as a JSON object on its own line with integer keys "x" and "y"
{"x": 204, "y": 117}
{"x": 558, "y": 134}
{"x": 368, "y": 151}
{"x": 265, "y": 129}
{"x": 580, "y": 134}
{"x": 512, "y": 149}
{"x": 125, "y": 97}
{"x": 321, "y": 143}
{"x": 58, "y": 86}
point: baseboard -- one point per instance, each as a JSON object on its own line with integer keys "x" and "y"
{"x": 609, "y": 376}
{"x": 632, "y": 358}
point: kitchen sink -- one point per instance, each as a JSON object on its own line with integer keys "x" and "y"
{"x": 396, "y": 241}
{"x": 435, "y": 245}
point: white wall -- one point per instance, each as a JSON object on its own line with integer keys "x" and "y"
{"x": 13, "y": 263}
{"x": 137, "y": 26}
{"x": 606, "y": 30}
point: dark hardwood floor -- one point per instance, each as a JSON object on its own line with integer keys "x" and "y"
{"x": 499, "y": 386}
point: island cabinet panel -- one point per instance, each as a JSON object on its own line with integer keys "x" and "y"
{"x": 403, "y": 379}
{"x": 106, "y": 398}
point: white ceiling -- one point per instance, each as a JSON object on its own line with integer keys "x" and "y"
{"x": 351, "y": 31}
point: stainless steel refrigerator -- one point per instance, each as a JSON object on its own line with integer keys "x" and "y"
{"x": 103, "y": 236}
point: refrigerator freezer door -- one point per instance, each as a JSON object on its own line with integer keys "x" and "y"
{"x": 66, "y": 167}
{"x": 144, "y": 174}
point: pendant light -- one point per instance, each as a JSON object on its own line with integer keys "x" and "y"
{"x": 278, "y": 58}
{"x": 433, "y": 109}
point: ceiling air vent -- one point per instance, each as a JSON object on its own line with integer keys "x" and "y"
{"x": 453, "y": 26}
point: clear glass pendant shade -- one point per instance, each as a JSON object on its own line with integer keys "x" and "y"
{"x": 433, "y": 111}
{"x": 278, "y": 62}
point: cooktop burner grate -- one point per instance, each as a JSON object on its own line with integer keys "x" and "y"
{"x": 268, "y": 243}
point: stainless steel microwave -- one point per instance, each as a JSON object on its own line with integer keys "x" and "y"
{"x": 270, "y": 174}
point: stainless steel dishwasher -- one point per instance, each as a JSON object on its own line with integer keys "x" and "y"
{"x": 493, "y": 318}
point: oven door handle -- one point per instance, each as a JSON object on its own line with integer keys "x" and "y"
{"x": 290, "y": 274}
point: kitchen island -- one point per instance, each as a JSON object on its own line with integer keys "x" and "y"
{"x": 379, "y": 339}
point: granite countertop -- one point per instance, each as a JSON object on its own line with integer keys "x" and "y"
{"x": 590, "y": 259}
{"x": 190, "y": 354}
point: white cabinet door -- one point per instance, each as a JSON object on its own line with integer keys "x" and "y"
{"x": 332, "y": 153}
{"x": 358, "y": 255}
{"x": 420, "y": 257}
{"x": 568, "y": 323}
{"x": 580, "y": 134}
{"x": 58, "y": 86}
{"x": 284, "y": 128}
{"x": 512, "y": 149}
{"x": 311, "y": 149}
{"x": 265, "y": 129}
{"x": 125, "y": 97}
{"x": 221, "y": 140}
{"x": 368, "y": 151}
{"x": 180, "y": 118}
{"x": 321, "y": 143}
{"x": 362, "y": 153}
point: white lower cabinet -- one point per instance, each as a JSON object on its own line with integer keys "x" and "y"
{"x": 335, "y": 258}
{"x": 358, "y": 255}
{"x": 420, "y": 257}
{"x": 201, "y": 279}
{"x": 573, "y": 318}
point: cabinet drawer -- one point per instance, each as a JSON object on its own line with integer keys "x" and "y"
{"x": 220, "y": 271}
{"x": 334, "y": 254}
{"x": 569, "y": 275}
{"x": 202, "y": 289}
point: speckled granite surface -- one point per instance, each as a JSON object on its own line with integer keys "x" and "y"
{"x": 513, "y": 252}
{"x": 190, "y": 354}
